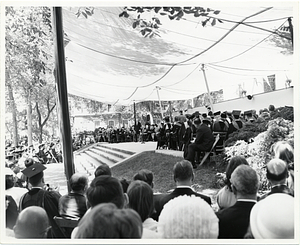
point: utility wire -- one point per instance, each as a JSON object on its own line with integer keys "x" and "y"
{"x": 242, "y": 69}
{"x": 234, "y": 27}
{"x": 248, "y": 48}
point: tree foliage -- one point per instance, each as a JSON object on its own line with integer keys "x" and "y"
{"x": 149, "y": 27}
{"x": 28, "y": 58}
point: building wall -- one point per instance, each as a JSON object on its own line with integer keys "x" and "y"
{"x": 278, "y": 98}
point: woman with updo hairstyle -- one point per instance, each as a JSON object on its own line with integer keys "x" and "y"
{"x": 225, "y": 196}
{"x": 284, "y": 151}
{"x": 140, "y": 195}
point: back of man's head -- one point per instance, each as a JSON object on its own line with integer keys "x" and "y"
{"x": 245, "y": 181}
{"x": 183, "y": 171}
{"x": 277, "y": 171}
{"x": 32, "y": 222}
{"x": 104, "y": 189}
{"x": 78, "y": 182}
{"x": 103, "y": 170}
{"x": 144, "y": 175}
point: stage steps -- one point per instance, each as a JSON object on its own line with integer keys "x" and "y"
{"x": 88, "y": 159}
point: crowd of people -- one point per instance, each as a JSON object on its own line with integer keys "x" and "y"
{"x": 107, "y": 207}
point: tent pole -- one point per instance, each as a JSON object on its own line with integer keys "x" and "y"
{"x": 209, "y": 97}
{"x": 61, "y": 85}
{"x": 134, "y": 113}
{"x": 161, "y": 112}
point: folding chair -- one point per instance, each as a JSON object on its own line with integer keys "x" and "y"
{"x": 212, "y": 148}
{"x": 66, "y": 225}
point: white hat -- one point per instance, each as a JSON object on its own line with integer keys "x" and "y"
{"x": 188, "y": 217}
{"x": 273, "y": 217}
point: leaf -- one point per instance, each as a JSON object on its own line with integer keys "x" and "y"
{"x": 84, "y": 14}
{"x": 213, "y": 22}
{"x": 156, "y": 9}
{"x": 134, "y": 24}
{"x": 220, "y": 21}
{"x": 126, "y": 15}
{"x": 217, "y": 12}
{"x": 197, "y": 14}
{"x": 120, "y": 15}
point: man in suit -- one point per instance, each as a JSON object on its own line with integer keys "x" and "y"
{"x": 204, "y": 139}
{"x": 234, "y": 220}
{"x": 277, "y": 174}
{"x": 183, "y": 177}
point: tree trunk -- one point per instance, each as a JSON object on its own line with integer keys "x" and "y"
{"x": 29, "y": 118}
{"x": 39, "y": 122}
{"x": 13, "y": 109}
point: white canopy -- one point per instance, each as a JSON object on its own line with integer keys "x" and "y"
{"x": 109, "y": 61}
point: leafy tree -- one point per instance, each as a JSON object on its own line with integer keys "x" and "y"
{"x": 29, "y": 62}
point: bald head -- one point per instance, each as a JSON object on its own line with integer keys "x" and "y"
{"x": 78, "y": 182}
{"x": 277, "y": 171}
{"x": 32, "y": 223}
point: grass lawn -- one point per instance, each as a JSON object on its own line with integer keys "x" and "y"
{"x": 162, "y": 167}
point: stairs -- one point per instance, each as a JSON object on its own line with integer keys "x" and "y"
{"x": 88, "y": 159}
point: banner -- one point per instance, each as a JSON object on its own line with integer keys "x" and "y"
{"x": 272, "y": 83}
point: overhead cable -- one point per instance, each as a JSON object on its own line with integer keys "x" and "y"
{"x": 226, "y": 34}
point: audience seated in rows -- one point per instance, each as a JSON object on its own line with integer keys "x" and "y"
{"x": 188, "y": 217}
{"x": 183, "y": 177}
{"x": 234, "y": 220}
{"x": 106, "y": 220}
{"x": 32, "y": 223}
{"x": 140, "y": 196}
{"x": 225, "y": 197}
{"x": 272, "y": 218}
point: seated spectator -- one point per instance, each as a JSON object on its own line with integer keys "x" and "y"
{"x": 104, "y": 189}
{"x": 106, "y": 220}
{"x": 144, "y": 175}
{"x": 73, "y": 205}
{"x": 37, "y": 196}
{"x": 284, "y": 151}
{"x": 140, "y": 196}
{"x": 234, "y": 220}
{"x": 32, "y": 223}
{"x": 225, "y": 196}
{"x": 273, "y": 218}
{"x": 10, "y": 189}
{"x": 11, "y": 213}
{"x": 203, "y": 142}
{"x": 103, "y": 169}
{"x": 188, "y": 217}
{"x": 277, "y": 174}
{"x": 183, "y": 177}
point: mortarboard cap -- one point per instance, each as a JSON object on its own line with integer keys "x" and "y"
{"x": 33, "y": 170}
{"x": 248, "y": 113}
{"x": 204, "y": 115}
{"x": 236, "y": 113}
{"x": 217, "y": 113}
{"x": 223, "y": 114}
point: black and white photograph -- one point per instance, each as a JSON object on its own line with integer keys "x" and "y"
{"x": 158, "y": 121}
